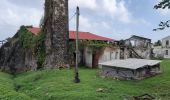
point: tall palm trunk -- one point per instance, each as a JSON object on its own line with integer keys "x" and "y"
{"x": 56, "y": 32}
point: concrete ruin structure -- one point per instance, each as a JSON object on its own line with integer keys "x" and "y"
{"x": 130, "y": 69}
{"x": 104, "y": 54}
{"x": 158, "y": 52}
{"x": 134, "y": 63}
{"x": 137, "y": 47}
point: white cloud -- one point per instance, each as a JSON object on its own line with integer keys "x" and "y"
{"x": 12, "y": 16}
{"x": 85, "y": 23}
{"x": 111, "y": 8}
{"x": 164, "y": 12}
{"x": 104, "y": 15}
{"x": 90, "y": 25}
{"x": 16, "y": 15}
{"x": 116, "y": 10}
{"x": 97, "y": 16}
{"x": 90, "y": 4}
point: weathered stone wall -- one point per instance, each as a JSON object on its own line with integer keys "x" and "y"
{"x": 56, "y": 30}
{"x": 129, "y": 74}
{"x": 15, "y": 59}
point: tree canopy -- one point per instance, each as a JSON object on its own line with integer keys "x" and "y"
{"x": 158, "y": 43}
{"x": 164, "y": 4}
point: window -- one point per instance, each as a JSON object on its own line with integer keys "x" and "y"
{"x": 166, "y": 52}
{"x": 167, "y": 42}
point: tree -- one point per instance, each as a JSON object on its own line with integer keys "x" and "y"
{"x": 56, "y": 33}
{"x": 41, "y": 24}
{"x": 158, "y": 43}
{"x": 8, "y": 39}
{"x": 121, "y": 42}
{"x": 163, "y": 5}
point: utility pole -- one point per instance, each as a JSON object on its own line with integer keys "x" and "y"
{"x": 76, "y": 74}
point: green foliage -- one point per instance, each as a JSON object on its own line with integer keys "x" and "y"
{"x": 34, "y": 42}
{"x": 40, "y": 52}
{"x": 122, "y": 43}
{"x": 163, "y": 5}
{"x": 41, "y": 24}
{"x": 97, "y": 45}
{"x": 26, "y": 38}
{"x": 158, "y": 43}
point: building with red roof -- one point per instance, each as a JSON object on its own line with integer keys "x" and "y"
{"x": 89, "y": 57}
{"x": 72, "y": 35}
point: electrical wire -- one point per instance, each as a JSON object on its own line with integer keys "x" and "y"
{"x": 72, "y": 16}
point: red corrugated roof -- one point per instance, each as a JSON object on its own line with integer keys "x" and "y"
{"x": 34, "y": 30}
{"x": 87, "y": 36}
{"x": 72, "y": 35}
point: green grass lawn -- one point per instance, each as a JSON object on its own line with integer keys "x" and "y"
{"x": 58, "y": 85}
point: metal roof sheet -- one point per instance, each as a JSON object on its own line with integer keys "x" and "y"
{"x": 131, "y": 63}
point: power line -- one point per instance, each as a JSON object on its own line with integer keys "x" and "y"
{"x": 72, "y": 16}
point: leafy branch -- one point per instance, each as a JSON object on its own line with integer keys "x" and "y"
{"x": 163, "y": 25}
{"x": 163, "y": 5}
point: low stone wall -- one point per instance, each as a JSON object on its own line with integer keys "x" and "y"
{"x": 129, "y": 74}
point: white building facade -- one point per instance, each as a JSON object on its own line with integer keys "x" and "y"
{"x": 166, "y": 47}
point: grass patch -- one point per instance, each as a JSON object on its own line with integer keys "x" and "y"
{"x": 7, "y": 89}
{"x": 58, "y": 85}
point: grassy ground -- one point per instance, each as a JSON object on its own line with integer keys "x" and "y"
{"x": 58, "y": 85}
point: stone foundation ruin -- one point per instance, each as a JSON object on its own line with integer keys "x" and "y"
{"x": 130, "y": 69}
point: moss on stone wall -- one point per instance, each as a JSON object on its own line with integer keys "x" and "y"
{"x": 40, "y": 51}
{"x": 26, "y": 38}
{"x": 34, "y": 42}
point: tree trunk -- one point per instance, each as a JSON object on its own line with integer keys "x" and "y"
{"x": 56, "y": 32}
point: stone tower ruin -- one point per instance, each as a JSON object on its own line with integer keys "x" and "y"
{"x": 56, "y": 33}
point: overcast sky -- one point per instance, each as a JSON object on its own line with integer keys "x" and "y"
{"x": 117, "y": 19}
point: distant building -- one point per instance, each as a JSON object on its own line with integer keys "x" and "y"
{"x": 166, "y": 47}
{"x": 137, "y": 47}
{"x": 162, "y": 51}
{"x": 139, "y": 42}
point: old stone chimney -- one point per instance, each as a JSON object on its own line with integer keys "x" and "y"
{"x": 56, "y": 32}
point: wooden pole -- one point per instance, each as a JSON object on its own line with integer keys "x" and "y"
{"x": 76, "y": 77}
{"x": 0, "y": 43}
